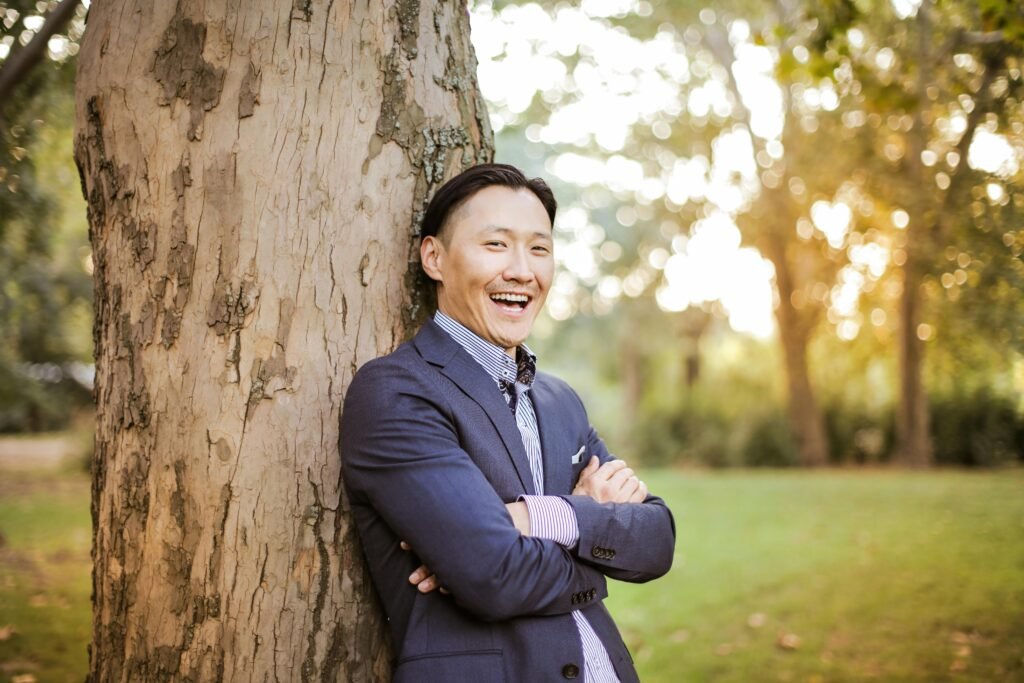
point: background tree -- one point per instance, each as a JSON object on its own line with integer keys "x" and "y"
{"x": 45, "y": 292}
{"x": 254, "y": 175}
{"x": 794, "y": 123}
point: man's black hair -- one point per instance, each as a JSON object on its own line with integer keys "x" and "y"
{"x": 463, "y": 186}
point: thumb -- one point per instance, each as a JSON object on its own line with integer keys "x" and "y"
{"x": 592, "y": 466}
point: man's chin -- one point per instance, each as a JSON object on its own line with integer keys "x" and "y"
{"x": 510, "y": 341}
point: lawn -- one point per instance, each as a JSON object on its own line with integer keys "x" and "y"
{"x": 45, "y": 533}
{"x": 779, "y": 576}
{"x": 835, "y": 576}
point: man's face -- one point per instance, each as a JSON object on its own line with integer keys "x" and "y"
{"x": 494, "y": 265}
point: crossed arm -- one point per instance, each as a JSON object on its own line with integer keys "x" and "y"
{"x": 611, "y": 482}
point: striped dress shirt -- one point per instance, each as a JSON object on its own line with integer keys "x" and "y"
{"x": 550, "y": 516}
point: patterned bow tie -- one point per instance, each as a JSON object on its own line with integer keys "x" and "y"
{"x": 526, "y": 370}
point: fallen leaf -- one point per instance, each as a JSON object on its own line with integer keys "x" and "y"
{"x": 958, "y": 665}
{"x": 963, "y": 651}
{"x": 788, "y": 641}
{"x": 723, "y": 649}
{"x": 756, "y": 620}
{"x": 24, "y": 678}
{"x": 680, "y": 636}
{"x": 38, "y": 600}
{"x": 6, "y": 632}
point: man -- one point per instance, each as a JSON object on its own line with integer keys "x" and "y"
{"x": 489, "y": 510}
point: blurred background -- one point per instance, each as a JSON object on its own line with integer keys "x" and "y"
{"x": 789, "y": 290}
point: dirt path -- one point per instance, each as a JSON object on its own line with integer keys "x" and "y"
{"x": 37, "y": 452}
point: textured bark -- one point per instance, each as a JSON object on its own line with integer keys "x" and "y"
{"x": 255, "y": 172}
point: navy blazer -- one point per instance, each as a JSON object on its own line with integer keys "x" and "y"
{"x": 430, "y": 455}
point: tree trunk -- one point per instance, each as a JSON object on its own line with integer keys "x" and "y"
{"x": 805, "y": 415}
{"x": 255, "y": 172}
{"x": 805, "y": 418}
{"x": 693, "y": 323}
{"x": 913, "y": 437}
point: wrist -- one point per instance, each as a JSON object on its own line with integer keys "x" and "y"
{"x": 520, "y": 516}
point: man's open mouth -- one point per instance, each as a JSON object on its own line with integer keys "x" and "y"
{"x": 510, "y": 300}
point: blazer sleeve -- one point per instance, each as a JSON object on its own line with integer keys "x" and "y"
{"x": 401, "y": 455}
{"x": 632, "y": 542}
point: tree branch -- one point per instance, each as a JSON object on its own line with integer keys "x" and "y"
{"x": 20, "y": 64}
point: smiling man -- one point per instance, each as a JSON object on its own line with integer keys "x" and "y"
{"x": 491, "y": 513}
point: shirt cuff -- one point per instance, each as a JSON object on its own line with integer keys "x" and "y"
{"x": 552, "y": 518}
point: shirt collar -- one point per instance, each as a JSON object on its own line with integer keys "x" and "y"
{"x": 498, "y": 364}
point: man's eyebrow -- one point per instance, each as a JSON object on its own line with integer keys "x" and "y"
{"x": 507, "y": 231}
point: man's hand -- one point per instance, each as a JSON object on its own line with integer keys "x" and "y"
{"x": 424, "y": 579}
{"x": 612, "y": 482}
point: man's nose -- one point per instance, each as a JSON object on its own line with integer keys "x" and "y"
{"x": 518, "y": 268}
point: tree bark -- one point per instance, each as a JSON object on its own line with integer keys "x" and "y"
{"x": 255, "y": 173}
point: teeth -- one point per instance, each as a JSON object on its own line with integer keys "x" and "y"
{"x": 511, "y": 298}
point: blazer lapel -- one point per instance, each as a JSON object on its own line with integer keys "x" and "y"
{"x": 557, "y": 473}
{"x": 454, "y": 362}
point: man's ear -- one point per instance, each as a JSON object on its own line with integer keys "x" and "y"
{"x": 432, "y": 257}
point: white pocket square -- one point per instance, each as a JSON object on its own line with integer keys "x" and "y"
{"x": 578, "y": 456}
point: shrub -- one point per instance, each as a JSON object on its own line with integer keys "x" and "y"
{"x": 977, "y": 430}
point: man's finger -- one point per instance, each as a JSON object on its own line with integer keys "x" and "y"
{"x": 620, "y": 477}
{"x": 607, "y": 470}
{"x": 589, "y": 470}
{"x": 428, "y": 584}
{"x": 640, "y": 495}
{"x": 404, "y": 546}
{"x": 630, "y": 488}
{"x": 421, "y": 573}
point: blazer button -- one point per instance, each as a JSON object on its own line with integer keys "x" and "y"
{"x": 596, "y": 552}
{"x": 570, "y": 671}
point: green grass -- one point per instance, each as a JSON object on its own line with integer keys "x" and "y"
{"x": 44, "y": 575}
{"x": 888, "y": 576}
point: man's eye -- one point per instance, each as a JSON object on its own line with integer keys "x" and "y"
{"x": 495, "y": 243}
{"x": 541, "y": 250}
